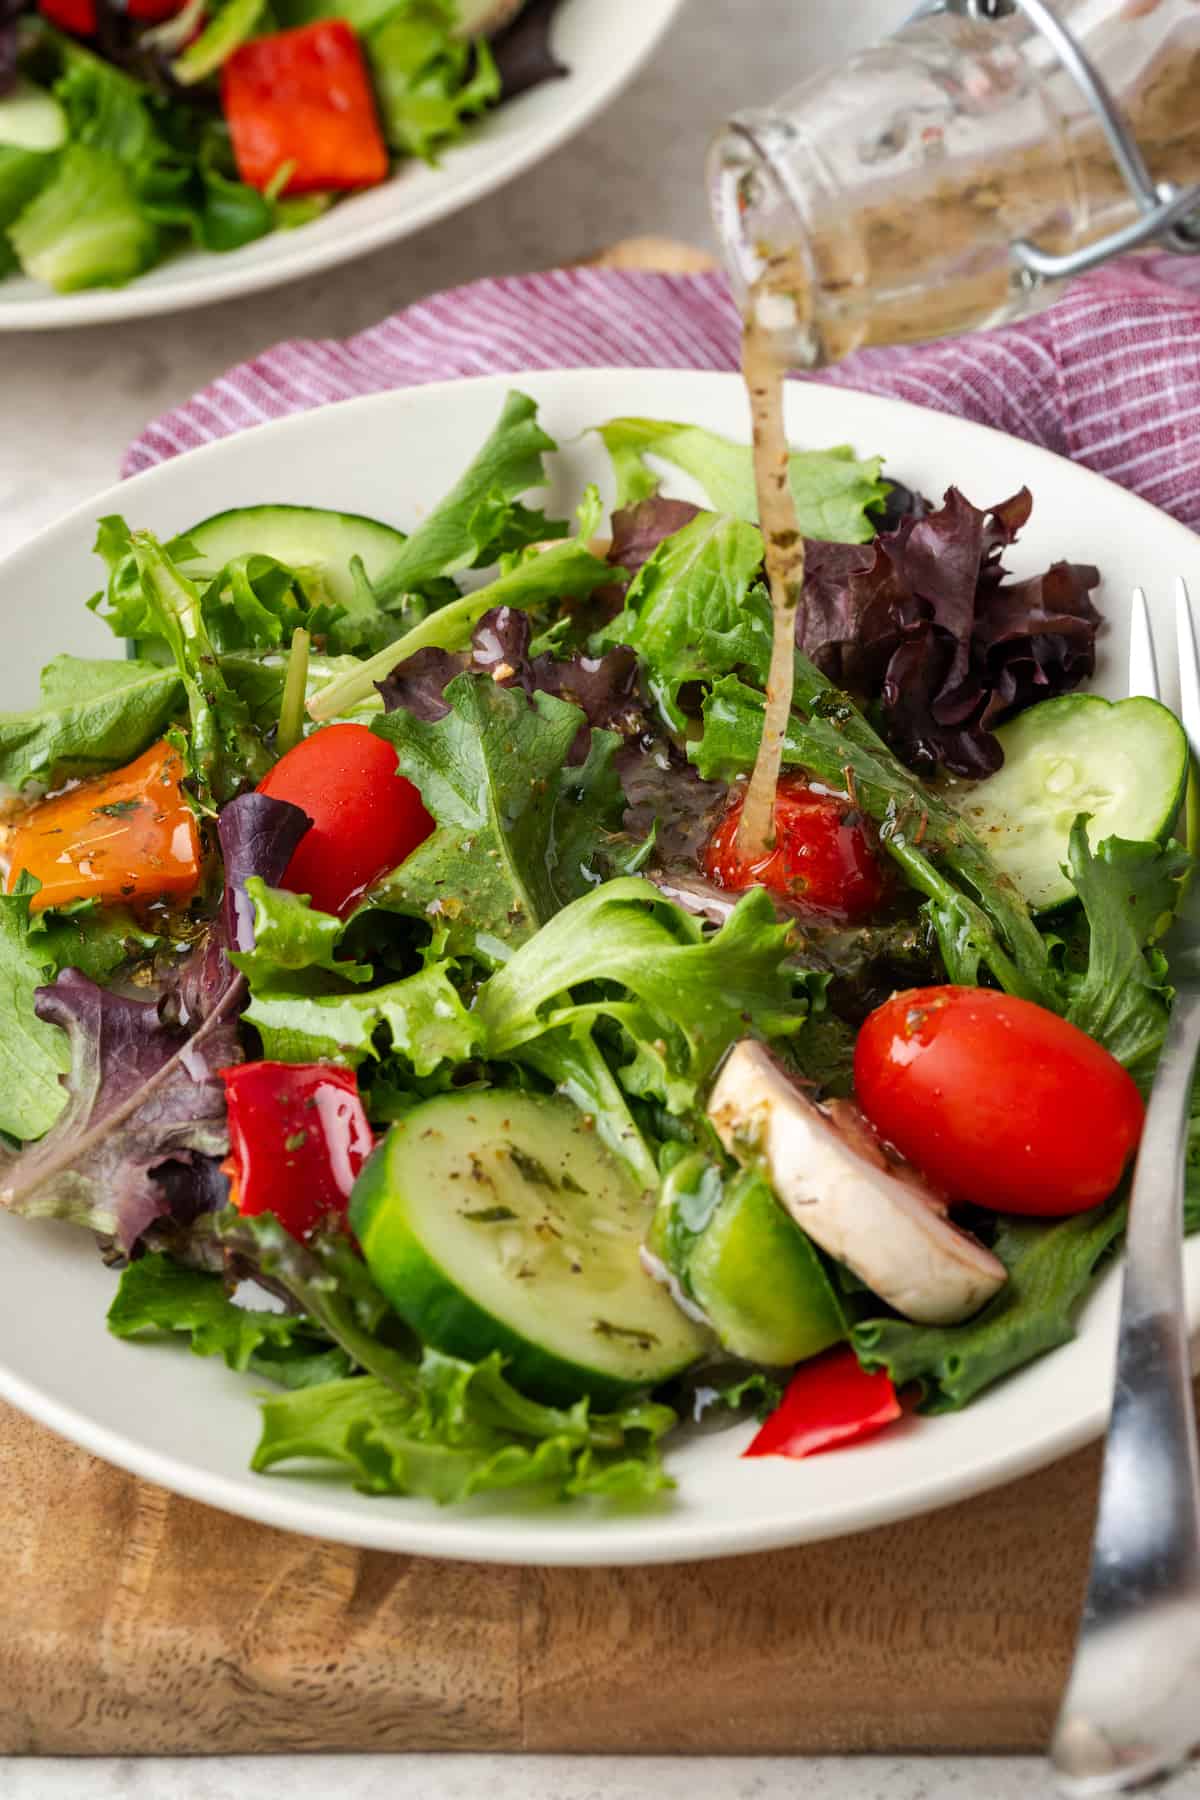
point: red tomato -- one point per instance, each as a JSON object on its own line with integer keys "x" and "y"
{"x": 365, "y": 818}
{"x": 997, "y": 1101}
{"x": 823, "y": 861}
{"x": 830, "y": 1401}
{"x": 78, "y": 16}
{"x": 298, "y": 1137}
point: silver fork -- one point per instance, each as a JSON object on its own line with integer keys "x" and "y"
{"x": 1132, "y": 1705}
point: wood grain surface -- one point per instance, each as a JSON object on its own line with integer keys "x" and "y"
{"x": 135, "y": 1622}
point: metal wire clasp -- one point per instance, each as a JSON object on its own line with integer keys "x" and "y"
{"x": 1170, "y": 215}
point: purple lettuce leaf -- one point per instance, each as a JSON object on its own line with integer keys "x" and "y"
{"x": 524, "y": 53}
{"x": 662, "y": 789}
{"x": 10, "y": 12}
{"x": 144, "y": 1128}
{"x": 604, "y": 688}
{"x": 925, "y": 620}
{"x": 138, "y": 1148}
{"x": 637, "y": 531}
{"x": 258, "y": 836}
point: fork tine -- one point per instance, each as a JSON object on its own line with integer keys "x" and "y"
{"x": 1189, "y": 666}
{"x": 1143, "y": 664}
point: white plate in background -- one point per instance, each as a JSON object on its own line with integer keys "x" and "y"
{"x": 603, "y": 44}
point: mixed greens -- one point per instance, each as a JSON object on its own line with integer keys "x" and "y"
{"x": 379, "y": 982}
{"x": 129, "y": 130}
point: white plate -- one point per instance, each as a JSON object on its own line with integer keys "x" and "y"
{"x": 603, "y": 44}
{"x": 191, "y": 1425}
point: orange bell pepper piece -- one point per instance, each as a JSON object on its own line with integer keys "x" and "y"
{"x": 129, "y": 836}
{"x": 303, "y": 98}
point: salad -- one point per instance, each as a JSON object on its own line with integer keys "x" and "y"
{"x": 383, "y": 984}
{"x": 129, "y": 130}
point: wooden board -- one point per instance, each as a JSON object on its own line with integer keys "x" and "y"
{"x": 136, "y": 1622}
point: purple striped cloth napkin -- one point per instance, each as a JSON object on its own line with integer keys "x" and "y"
{"x": 1109, "y": 376}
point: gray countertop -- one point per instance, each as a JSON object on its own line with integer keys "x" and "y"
{"x": 71, "y": 401}
{"x": 547, "y": 1778}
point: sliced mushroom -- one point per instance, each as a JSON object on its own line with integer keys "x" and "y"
{"x": 831, "y": 1174}
{"x": 484, "y": 18}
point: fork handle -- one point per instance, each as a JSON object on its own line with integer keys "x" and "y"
{"x": 1132, "y": 1705}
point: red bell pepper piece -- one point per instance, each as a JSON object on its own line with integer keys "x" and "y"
{"x": 304, "y": 98}
{"x": 299, "y": 1136}
{"x": 77, "y": 16}
{"x": 829, "y": 1401}
{"x": 153, "y": 12}
{"x": 80, "y": 18}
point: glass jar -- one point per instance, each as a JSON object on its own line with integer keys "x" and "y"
{"x": 945, "y": 180}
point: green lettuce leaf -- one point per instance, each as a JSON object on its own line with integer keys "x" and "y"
{"x": 86, "y": 226}
{"x": 516, "y": 826}
{"x": 33, "y": 1054}
{"x": 566, "y": 570}
{"x": 225, "y": 751}
{"x": 441, "y": 1442}
{"x": 570, "y": 1058}
{"x": 834, "y": 490}
{"x": 232, "y": 23}
{"x": 419, "y": 1422}
{"x": 256, "y": 603}
{"x": 1129, "y": 892}
{"x": 698, "y": 609}
{"x": 158, "y": 1296}
{"x": 682, "y": 996}
{"x": 258, "y": 679}
{"x": 329, "y": 1283}
{"x": 421, "y": 1020}
{"x": 428, "y": 81}
{"x": 1051, "y": 1267}
{"x": 93, "y": 715}
{"x": 97, "y": 940}
{"x": 290, "y": 935}
{"x": 22, "y": 173}
{"x": 482, "y": 517}
{"x": 106, "y": 109}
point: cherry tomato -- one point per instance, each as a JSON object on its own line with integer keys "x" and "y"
{"x": 997, "y": 1101}
{"x": 823, "y": 862}
{"x": 365, "y": 818}
{"x": 298, "y": 1137}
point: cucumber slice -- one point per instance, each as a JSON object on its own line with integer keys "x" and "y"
{"x": 31, "y": 119}
{"x": 752, "y": 1272}
{"x": 303, "y": 537}
{"x": 497, "y": 1221}
{"x": 1125, "y": 762}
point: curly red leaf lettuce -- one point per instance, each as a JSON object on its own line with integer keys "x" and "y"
{"x": 144, "y": 1127}
{"x": 604, "y": 688}
{"x": 925, "y": 619}
{"x": 139, "y": 1144}
{"x": 637, "y": 531}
